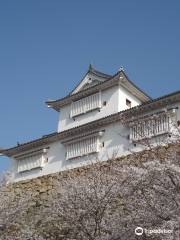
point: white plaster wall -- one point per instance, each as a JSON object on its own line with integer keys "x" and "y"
{"x": 111, "y": 96}
{"x": 115, "y": 140}
{"x": 115, "y": 98}
{"x": 123, "y": 95}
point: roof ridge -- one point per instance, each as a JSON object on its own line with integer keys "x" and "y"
{"x": 97, "y": 72}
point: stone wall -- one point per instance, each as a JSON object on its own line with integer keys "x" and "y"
{"x": 47, "y": 184}
{"x": 40, "y": 190}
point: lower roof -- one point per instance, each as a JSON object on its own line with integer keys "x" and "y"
{"x": 163, "y": 101}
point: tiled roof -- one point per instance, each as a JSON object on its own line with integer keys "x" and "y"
{"x": 68, "y": 98}
{"x": 95, "y": 72}
{"x": 143, "y": 108}
{"x": 57, "y": 104}
{"x": 98, "y": 73}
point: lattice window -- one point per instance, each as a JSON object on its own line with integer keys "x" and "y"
{"x": 85, "y": 105}
{"x": 31, "y": 160}
{"x": 83, "y": 147}
{"x": 152, "y": 126}
{"x": 29, "y": 163}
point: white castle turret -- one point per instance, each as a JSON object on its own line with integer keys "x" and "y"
{"x": 103, "y": 114}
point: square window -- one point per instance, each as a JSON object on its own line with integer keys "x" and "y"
{"x": 128, "y": 103}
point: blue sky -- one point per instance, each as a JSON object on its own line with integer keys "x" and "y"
{"x": 46, "y": 47}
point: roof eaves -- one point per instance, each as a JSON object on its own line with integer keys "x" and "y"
{"x": 137, "y": 86}
{"x": 114, "y": 117}
{"x": 56, "y": 104}
{"x": 58, "y": 101}
{"x": 43, "y": 139}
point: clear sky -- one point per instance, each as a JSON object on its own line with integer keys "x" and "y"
{"x": 46, "y": 47}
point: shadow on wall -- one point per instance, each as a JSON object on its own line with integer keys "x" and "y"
{"x": 116, "y": 142}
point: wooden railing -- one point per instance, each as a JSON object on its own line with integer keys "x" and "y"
{"x": 149, "y": 127}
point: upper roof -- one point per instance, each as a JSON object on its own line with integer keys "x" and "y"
{"x": 102, "y": 81}
{"x": 154, "y": 104}
{"x": 91, "y": 75}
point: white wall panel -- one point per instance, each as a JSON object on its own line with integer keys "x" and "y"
{"x": 110, "y": 96}
{"x": 115, "y": 139}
